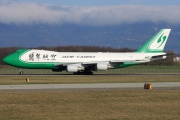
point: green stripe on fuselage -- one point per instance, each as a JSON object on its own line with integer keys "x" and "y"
{"x": 126, "y": 64}
{"x": 15, "y": 60}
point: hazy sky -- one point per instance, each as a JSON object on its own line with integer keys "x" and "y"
{"x": 89, "y": 12}
{"x": 101, "y": 2}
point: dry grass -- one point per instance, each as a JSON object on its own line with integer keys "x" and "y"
{"x": 86, "y": 79}
{"x": 91, "y": 105}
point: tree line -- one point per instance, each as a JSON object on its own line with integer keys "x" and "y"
{"x": 168, "y": 61}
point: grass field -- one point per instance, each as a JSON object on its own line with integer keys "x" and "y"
{"x": 91, "y": 105}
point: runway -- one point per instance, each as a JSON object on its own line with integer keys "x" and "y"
{"x": 91, "y": 86}
{"x": 51, "y": 75}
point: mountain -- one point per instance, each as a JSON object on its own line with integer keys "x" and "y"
{"x": 117, "y": 36}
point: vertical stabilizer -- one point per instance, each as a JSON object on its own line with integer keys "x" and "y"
{"x": 156, "y": 43}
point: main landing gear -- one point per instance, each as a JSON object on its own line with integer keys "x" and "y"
{"x": 83, "y": 73}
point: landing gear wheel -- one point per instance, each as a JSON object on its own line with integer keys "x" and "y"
{"x": 20, "y": 72}
{"x": 83, "y": 73}
{"x": 77, "y": 73}
{"x": 88, "y": 73}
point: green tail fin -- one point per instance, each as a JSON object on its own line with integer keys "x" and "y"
{"x": 156, "y": 43}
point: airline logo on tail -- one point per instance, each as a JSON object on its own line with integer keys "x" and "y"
{"x": 159, "y": 40}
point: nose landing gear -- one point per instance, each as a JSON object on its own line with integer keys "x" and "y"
{"x": 20, "y": 71}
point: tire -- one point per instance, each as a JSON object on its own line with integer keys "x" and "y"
{"x": 20, "y": 72}
{"x": 88, "y": 73}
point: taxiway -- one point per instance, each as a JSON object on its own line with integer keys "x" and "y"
{"x": 90, "y": 86}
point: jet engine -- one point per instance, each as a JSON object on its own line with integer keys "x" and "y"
{"x": 101, "y": 66}
{"x": 74, "y": 68}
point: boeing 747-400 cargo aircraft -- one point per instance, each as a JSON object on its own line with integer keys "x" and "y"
{"x": 86, "y": 62}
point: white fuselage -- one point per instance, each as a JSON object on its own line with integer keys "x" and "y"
{"x": 83, "y": 57}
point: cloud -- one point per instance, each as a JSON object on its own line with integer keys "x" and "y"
{"x": 30, "y": 13}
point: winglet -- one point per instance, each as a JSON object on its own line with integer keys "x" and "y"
{"x": 156, "y": 43}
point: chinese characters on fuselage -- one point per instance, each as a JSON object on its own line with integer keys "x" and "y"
{"x": 38, "y": 56}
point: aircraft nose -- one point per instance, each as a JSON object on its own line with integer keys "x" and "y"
{"x": 8, "y": 60}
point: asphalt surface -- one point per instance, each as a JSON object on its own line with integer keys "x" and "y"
{"x": 91, "y": 86}
{"x": 17, "y": 75}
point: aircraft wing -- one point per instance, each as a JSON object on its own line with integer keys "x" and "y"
{"x": 111, "y": 61}
{"x": 96, "y": 62}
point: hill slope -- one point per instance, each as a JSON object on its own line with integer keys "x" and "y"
{"x": 119, "y": 36}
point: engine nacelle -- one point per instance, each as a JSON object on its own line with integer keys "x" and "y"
{"x": 74, "y": 68}
{"x": 101, "y": 66}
